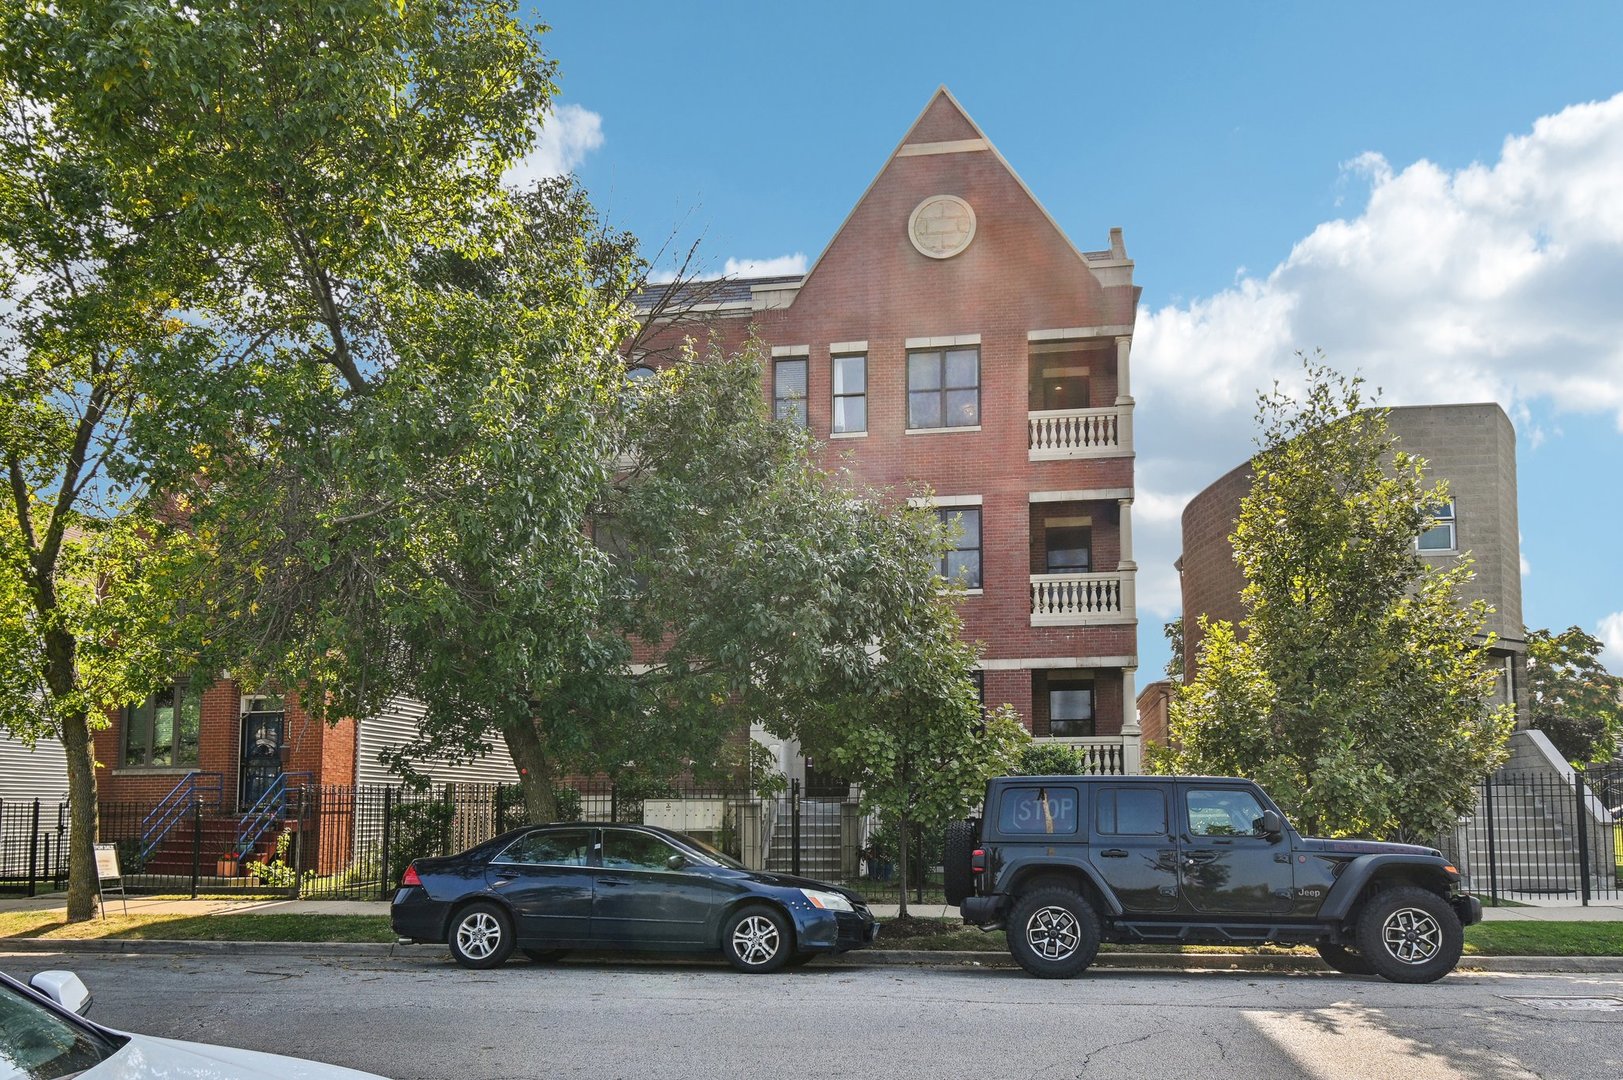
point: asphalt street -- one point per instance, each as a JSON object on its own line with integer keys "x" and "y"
{"x": 422, "y": 1017}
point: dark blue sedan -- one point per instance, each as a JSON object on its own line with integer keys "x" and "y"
{"x": 553, "y": 888}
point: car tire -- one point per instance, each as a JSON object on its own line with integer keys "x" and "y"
{"x": 1410, "y": 935}
{"x": 1053, "y": 933}
{"x": 1345, "y": 960}
{"x": 757, "y": 939}
{"x": 957, "y": 877}
{"x": 545, "y": 956}
{"x": 481, "y": 936}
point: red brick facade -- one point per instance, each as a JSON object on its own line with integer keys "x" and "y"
{"x": 874, "y": 291}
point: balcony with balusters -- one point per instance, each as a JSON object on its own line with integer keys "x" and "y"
{"x": 1078, "y": 406}
{"x": 1079, "y": 576}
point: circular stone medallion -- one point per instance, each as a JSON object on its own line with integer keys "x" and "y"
{"x": 941, "y": 226}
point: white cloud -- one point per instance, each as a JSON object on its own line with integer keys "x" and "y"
{"x": 1494, "y": 282}
{"x": 779, "y": 266}
{"x": 1610, "y": 631}
{"x": 566, "y": 135}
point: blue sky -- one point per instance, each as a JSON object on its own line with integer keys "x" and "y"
{"x": 1433, "y": 194}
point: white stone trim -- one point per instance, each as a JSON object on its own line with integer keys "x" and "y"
{"x": 937, "y": 430}
{"x": 1079, "y": 333}
{"x": 1081, "y": 495}
{"x": 847, "y": 348}
{"x": 1068, "y": 522}
{"x": 1040, "y": 662}
{"x": 790, "y": 351}
{"x": 951, "y": 146}
{"x": 946, "y": 500}
{"x": 848, "y": 434}
{"x": 942, "y": 342}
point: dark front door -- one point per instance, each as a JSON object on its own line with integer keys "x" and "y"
{"x": 1132, "y": 846}
{"x": 825, "y": 785}
{"x": 547, "y": 876}
{"x": 1228, "y": 865}
{"x": 641, "y": 902}
{"x": 262, "y": 739}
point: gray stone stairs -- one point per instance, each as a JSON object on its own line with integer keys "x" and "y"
{"x": 820, "y": 840}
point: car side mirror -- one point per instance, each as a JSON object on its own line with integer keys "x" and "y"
{"x": 1273, "y": 826}
{"x": 65, "y": 988}
{"x": 676, "y": 862}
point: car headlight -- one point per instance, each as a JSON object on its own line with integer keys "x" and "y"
{"x": 831, "y": 901}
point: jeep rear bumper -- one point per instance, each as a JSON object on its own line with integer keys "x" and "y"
{"x": 1468, "y": 908}
{"x": 981, "y": 910}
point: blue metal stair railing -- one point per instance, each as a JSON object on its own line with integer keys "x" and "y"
{"x": 266, "y": 811}
{"x": 193, "y": 788}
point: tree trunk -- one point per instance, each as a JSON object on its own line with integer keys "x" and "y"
{"x": 82, "y": 819}
{"x": 535, "y": 771}
{"x": 901, "y": 864}
{"x": 61, "y": 676}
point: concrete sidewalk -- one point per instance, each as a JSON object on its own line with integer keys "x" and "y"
{"x": 1543, "y": 911}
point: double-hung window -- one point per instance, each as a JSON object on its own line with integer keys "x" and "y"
{"x": 1070, "y": 708}
{"x": 850, "y": 395}
{"x": 961, "y": 563}
{"x": 162, "y": 731}
{"x": 1439, "y": 535}
{"x": 789, "y": 389}
{"x": 943, "y": 388}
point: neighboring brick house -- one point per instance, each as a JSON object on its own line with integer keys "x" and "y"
{"x": 1473, "y": 447}
{"x": 951, "y": 334}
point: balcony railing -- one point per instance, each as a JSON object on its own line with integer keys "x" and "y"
{"x": 1082, "y": 599}
{"x": 1078, "y": 433}
{"x": 1103, "y": 755}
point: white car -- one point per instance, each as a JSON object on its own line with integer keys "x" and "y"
{"x": 43, "y": 1035}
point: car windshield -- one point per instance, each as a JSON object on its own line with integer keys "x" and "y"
{"x": 710, "y": 853}
{"x": 37, "y": 1044}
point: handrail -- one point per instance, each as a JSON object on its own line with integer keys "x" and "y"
{"x": 159, "y": 822}
{"x": 269, "y": 808}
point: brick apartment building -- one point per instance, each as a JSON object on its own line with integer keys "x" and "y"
{"x": 1473, "y": 447}
{"x": 951, "y": 334}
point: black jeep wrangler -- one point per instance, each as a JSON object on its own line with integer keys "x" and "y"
{"x": 1064, "y": 862}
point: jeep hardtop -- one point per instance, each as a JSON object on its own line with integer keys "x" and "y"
{"x": 1064, "y": 862}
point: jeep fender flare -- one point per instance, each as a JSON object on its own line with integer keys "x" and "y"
{"x": 1022, "y": 875}
{"x": 1424, "y": 870}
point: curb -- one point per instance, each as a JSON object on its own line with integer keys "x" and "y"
{"x": 1118, "y": 961}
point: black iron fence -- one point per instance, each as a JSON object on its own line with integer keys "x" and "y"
{"x": 1542, "y": 836}
{"x": 355, "y": 842}
{"x": 1529, "y": 837}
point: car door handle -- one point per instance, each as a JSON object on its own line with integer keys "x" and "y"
{"x": 1195, "y": 857}
{"x": 1113, "y": 853}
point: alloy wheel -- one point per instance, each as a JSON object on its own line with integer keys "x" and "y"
{"x": 1411, "y": 935}
{"x": 756, "y": 940}
{"x": 478, "y": 935}
{"x": 1053, "y": 933}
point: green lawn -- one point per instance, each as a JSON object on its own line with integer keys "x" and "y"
{"x": 259, "y": 927}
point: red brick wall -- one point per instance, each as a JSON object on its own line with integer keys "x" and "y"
{"x": 1210, "y": 579}
{"x": 1154, "y": 703}
{"x": 1018, "y": 275}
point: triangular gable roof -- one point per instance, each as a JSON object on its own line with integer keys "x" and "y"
{"x": 953, "y": 124}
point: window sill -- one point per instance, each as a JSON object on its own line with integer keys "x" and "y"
{"x": 848, "y": 434}
{"x": 938, "y": 430}
{"x": 153, "y": 770}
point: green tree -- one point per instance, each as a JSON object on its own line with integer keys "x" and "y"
{"x": 1572, "y": 697}
{"x": 231, "y": 233}
{"x": 1356, "y": 688}
{"x": 910, "y": 731}
{"x": 1173, "y": 632}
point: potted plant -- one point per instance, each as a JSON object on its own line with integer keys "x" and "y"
{"x": 226, "y": 865}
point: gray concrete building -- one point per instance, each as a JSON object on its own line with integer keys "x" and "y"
{"x": 1473, "y": 447}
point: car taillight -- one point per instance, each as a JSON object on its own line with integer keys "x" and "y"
{"x": 977, "y": 860}
{"x": 410, "y": 877}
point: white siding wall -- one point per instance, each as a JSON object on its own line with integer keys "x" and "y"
{"x": 26, "y": 775}
{"x": 397, "y": 725}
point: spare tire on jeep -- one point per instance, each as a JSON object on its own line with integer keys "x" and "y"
{"x": 957, "y": 877}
